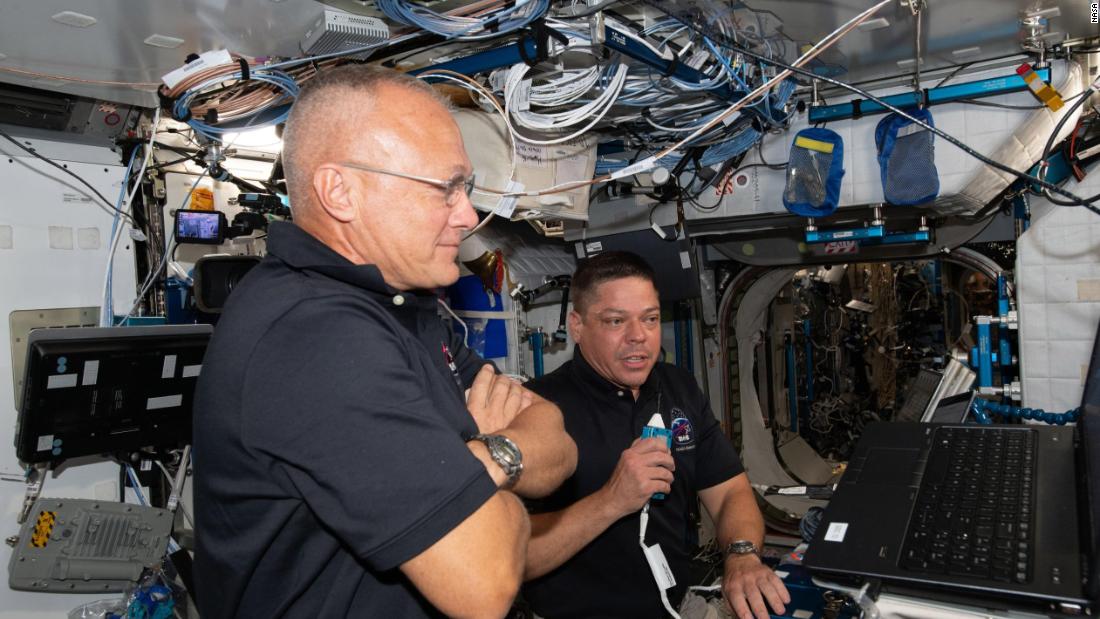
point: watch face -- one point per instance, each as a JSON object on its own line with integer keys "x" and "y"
{"x": 742, "y": 547}
{"x": 508, "y": 450}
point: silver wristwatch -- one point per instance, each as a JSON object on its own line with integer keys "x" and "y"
{"x": 742, "y": 547}
{"x": 505, "y": 453}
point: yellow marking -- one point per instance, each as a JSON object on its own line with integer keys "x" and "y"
{"x": 43, "y": 527}
{"x": 811, "y": 144}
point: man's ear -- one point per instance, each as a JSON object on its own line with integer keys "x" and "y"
{"x": 576, "y": 326}
{"x": 331, "y": 185}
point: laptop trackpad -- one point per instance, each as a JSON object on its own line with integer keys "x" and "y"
{"x": 889, "y": 466}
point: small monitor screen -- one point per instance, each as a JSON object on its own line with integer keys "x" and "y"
{"x": 206, "y": 227}
{"x": 102, "y": 390}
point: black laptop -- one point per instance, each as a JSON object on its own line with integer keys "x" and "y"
{"x": 1000, "y": 516}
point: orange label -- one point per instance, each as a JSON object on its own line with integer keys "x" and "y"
{"x": 202, "y": 199}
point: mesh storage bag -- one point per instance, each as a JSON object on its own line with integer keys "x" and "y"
{"x": 814, "y": 172}
{"x": 906, "y": 159}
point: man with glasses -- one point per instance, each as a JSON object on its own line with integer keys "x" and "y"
{"x": 353, "y": 457}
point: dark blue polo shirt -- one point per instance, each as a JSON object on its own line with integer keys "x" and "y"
{"x": 610, "y": 577}
{"x": 328, "y": 441}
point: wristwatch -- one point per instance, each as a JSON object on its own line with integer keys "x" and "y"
{"x": 505, "y": 453}
{"x": 742, "y": 547}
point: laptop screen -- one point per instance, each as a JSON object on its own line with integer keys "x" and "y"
{"x": 953, "y": 408}
{"x": 1089, "y": 432}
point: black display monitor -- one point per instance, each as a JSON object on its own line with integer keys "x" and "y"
{"x": 203, "y": 227}
{"x": 108, "y": 389}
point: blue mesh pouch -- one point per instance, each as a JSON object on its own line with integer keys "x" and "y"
{"x": 906, "y": 159}
{"x": 814, "y": 172}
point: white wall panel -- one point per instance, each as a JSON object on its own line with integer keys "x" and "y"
{"x": 1058, "y": 291}
{"x": 35, "y": 197}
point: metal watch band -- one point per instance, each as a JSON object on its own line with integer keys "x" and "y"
{"x": 506, "y": 454}
{"x": 742, "y": 547}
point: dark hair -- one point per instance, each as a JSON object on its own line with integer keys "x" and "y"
{"x": 605, "y": 267}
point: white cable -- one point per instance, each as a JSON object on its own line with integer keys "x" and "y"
{"x": 643, "y": 525}
{"x": 599, "y": 107}
{"x": 556, "y": 120}
{"x": 106, "y": 313}
{"x": 465, "y": 329}
{"x": 182, "y": 508}
{"x": 180, "y": 479}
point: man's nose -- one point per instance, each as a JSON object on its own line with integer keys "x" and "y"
{"x": 635, "y": 332}
{"x": 464, "y": 215}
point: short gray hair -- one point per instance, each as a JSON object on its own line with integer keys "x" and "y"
{"x": 319, "y": 109}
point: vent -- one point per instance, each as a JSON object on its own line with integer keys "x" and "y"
{"x": 338, "y": 31}
{"x": 29, "y": 107}
{"x": 163, "y": 40}
{"x": 74, "y": 19}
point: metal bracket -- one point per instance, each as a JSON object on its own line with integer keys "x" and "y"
{"x": 1037, "y": 24}
{"x": 36, "y": 477}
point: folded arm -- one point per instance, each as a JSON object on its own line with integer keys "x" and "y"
{"x": 502, "y": 406}
{"x": 475, "y": 569}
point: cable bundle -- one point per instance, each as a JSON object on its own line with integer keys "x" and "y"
{"x": 491, "y": 23}
{"x": 515, "y": 88}
{"x": 228, "y": 96}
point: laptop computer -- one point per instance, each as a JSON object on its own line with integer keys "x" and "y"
{"x": 1004, "y": 516}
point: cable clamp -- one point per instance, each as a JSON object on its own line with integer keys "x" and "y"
{"x": 541, "y": 34}
{"x": 857, "y": 113}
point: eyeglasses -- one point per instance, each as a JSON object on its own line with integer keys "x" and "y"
{"x": 453, "y": 188}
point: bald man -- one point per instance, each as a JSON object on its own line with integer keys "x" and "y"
{"x": 352, "y": 456}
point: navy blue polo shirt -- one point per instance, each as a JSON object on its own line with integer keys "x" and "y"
{"x": 328, "y": 441}
{"x": 610, "y": 577}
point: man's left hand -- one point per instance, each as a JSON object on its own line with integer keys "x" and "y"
{"x": 747, "y": 583}
{"x": 494, "y": 400}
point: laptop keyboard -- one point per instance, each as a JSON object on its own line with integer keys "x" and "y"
{"x": 974, "y": 510}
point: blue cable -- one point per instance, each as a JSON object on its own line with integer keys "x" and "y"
{"x": 725, "y": 63}
{"x": 981, "y": 409}
{"x": 278, "y": 79}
